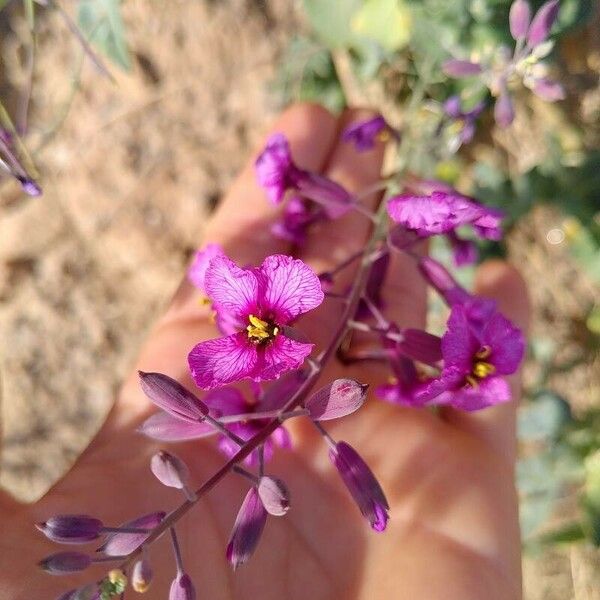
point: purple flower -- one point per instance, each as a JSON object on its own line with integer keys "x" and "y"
{"x": 361, "y": 483}
{"x": 364, "y": 134}
{"x": 261, "y": 302}
{"x": 443, "y": 212}
{"x": 202, "y": 258}
{"x": 298, "y": 216}
{"x": 475, "y": 361}
{"x": 64, "y": 563}
{"x": 464, "y": 120}
{"x": 542, "y": 23}
{"x": 277, "y": 173}
{"x": 403, "y": 386}
{"x": 247, "y": 529}
{"x": 519, "y": 19}
{"x": 71, "y": 529}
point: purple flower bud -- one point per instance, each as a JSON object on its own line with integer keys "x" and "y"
{"x": 30, "y": 187}
{"x": 452, "y": 107}
{"x": 274, "y": 496}
{"x": 519, "y": 19}
{"x": 504, "y": 112}
{"x": 120, "y": 544}
{"x": 439, "y": 278}
{"x": 461, "y": 68}
{"x": 402, "y": 238}
{"x": 464, "y": 252}
{"x": 340, "y": 398}
{"x": 334, "y": 198}
{"x": 274, "y": 167}
{"x": 169, "y": 470}
{"x": 141, "y": 576}
{"x": 63, "y": 563}
{"x": 71, "y": 529}
{"x": 167, "y": 428}
{"x": 172, "y": 397}
{"x": 361, "y": 483}
{"x": 247, "y": 529}
{"x": 422, "y": 346}
{"x": 87, "y": 592}
{"x": 182, "y": 588}
{"x": 542, "y": 23}
{"x": 548, "y": 90}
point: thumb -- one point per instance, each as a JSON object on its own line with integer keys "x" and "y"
{"x": 496, "y": 425}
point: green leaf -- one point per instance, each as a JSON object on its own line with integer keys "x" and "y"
{"x": 331, "y": 20}
{"x": 567, "y": 534}
{"x": 101, "y": 22}
{"x": 388, "y": 22}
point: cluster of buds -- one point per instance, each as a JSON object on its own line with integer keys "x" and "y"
{"x": 524, "y": 63}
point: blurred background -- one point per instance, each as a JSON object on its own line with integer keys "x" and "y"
{"x": 134, "y": 116}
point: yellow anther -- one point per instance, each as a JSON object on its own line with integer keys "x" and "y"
{"x": 258, "y": 323}
{"x": 259, "y": 330}
{"x": 483, "y": 369}
{"x": 204, "y": 301}
{"x": 483, "y": 353}
{"x": 384, "y": 135}
{"x": 117, "y": 577}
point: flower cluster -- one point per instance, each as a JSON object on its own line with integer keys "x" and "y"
{"x": 523, "y": 63}
{"x": 256, "y": 311}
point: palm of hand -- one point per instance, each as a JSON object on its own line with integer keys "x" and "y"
{"x": 453, "y": 530}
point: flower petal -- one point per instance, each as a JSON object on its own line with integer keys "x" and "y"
{"x": 282, "y": 354}
{"x": 226, "y": 401}
{"x": 491, "y": 391}
{"x": 197, "y": 271}
{"x": 232, "y": 290}
{"x": 507, "y": 344}
{"x": 223, "y": 360}
{"x": 459, "y": 344}
{"x": 273, "y": 167}
{"x": 291, "y": 288}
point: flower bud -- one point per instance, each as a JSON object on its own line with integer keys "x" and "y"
{"x": 361, "y": 483}
{"x": 542, "y": 23}
{"x": 519, "y": 19}
{"x": 461, "y": 68}
{"x": 504, "y": 112}
{"x": 338, "y": 399}
{"x": 247, "y": 529}
{"x": 141, "y": 576}
{"x": 439, "y": 278}
{"x": 548, "y": 90}
{"x": 172, "y": 397}
{"x": 420, "y": 345}
{"x": 30, "y": 186}
{"x": 121, "y": 544}
{"x": 274, "y": 496}
{"x": 334, "y": 198}
{"x": 182, "y": 588}
{"x": 169, "y": 470}
{"x": 164, "y": 427}
{"x": 71, "y": 529}
{"x": 87, "y": 592}
{"x": 63, "y": 563}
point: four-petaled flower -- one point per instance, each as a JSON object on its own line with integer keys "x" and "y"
{"x": 475, "y": 361}
{"x": 259, "y": 303}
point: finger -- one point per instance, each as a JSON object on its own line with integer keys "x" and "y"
{"x": 497, "y": 425}
{"x": 331, "y": 242}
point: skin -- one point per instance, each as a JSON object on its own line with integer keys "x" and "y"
{"x": 453, "y": 532}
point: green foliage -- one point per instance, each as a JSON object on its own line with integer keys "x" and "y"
{"x": 102, "y": 24}
{"x": 331, "y": 21}
{"x": 386, "y": 22}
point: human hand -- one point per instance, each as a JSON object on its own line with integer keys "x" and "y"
{"x": 448, "y": 476}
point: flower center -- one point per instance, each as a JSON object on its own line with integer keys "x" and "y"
{"x": 480, "y": 369}
{"x": 260, "y": 331}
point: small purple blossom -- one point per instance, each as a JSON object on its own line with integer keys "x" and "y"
{"x": 442, "y": 212}
{"x": 461, "y": 119}
{"x": 364, "y": 134}
{"x": 361, "y": 483}
{"x": 261, "y": 302}
{"x": 476, "y": 359}
{"x": 277, "y": 173}
{"x": 247, "y": 529}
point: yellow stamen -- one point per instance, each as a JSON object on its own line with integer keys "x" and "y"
{"x": 384, "y": 135}
{"x": 484, "y": 352}
{"x": 259, "y": 330}
{"x": 483, "y": 369}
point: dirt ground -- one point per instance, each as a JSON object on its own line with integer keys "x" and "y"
{"x": 130, "y": 171}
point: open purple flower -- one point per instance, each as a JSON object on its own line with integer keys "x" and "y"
{"x": 475, "y": 361}
{"x": 260, "y": 303}
{"x": 277, "y": 173}
{"x": 364, "y": 134}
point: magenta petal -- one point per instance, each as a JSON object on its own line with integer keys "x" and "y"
{"x": 461, "y": 68}
{"x": 197, "y": 271}
{"x": 226, "y": 401}
{"x": 231, "y": 289}
{"x": 507, "y": 344}
{"x": 223, "y": 360}
{"x": 490, "y": 391}
{"x": 422, "y": 346}
{"x": 542, "y": 23}
{"x": 282, "y": 354}
{"x": 167, "y": 428}
{"x": 504, "y": 112}
{"x": 450, "y": 379}
{"x": 459, "y": 344}
{"x": 291, "y": 288}
{"x": 519, "y": 19}
{"x": 120, "y": 544}
{"x": 549, "y": 90}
